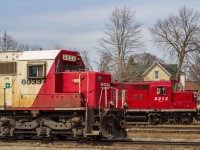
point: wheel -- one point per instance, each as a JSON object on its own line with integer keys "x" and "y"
{"x": 27, "y": 136}
{"x": 11, "y": 138}
{"x": 96, "y": 138}
{"x": 153, "y": 119}
{"x": 61, "y": 137}
{"x": 51, "y": 137}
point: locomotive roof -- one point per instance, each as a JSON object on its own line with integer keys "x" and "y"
{"x": 40, "y": 54}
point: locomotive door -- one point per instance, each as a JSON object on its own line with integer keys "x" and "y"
{"x": 1, "y": 92}
{"x": 1, "y": 97}
{"x": 5, "y": 91}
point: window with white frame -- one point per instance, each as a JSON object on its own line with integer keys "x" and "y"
{"x": 156, "y": 75}
{"x": 161, "y": 90}
{"x": 36, "y": 70}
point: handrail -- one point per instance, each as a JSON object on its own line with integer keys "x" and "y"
{"x": 106, "y": 97}
{"x": 100, "y": 101}
{"x": 116, "y": 98}
{"x": 86, "y": 113}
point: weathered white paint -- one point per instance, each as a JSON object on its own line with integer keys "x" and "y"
{"x": 39, "y": 55}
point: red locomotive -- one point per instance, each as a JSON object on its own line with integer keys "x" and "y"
{"x": 156, "y": 102}
{"x": 48, "y": 93}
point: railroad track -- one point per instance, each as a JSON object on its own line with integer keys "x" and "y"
{"x": 165, "y": 129}
{"x": 93, "y": 144}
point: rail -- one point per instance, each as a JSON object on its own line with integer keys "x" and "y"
{"x": 103, "y": 144}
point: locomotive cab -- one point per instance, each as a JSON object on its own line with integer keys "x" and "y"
{"x": 49, "y": 93}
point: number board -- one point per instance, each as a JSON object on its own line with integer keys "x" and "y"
{"x": 69, "y": 57}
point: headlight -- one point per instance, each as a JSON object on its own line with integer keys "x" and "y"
{"x": 99, "y": 78}
{"x": 112, "y": 104}
{"x": 125, "y": 105}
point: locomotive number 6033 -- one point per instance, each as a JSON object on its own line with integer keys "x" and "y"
{"x": 31, "y": 81}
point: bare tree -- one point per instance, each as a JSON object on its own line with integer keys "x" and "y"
{"x": 130, "y": 73}
{"x": 178, "y": 35}
{"x": 24, "y": 47}
{"x": 86, "y": 59}
{"x": 123, "y": 36}
{"x": 194, "y": 69}
{"x": 58, "y": 46}
{"x": 7, "y": 42}
{"x": 27, "y": 47}
{"x": 35, "y": 47}
{"x": 105, "y": 62}
{"x": 146, "y": 59}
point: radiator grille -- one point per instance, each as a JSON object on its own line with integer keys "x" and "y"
{"x": 8, "y": 68}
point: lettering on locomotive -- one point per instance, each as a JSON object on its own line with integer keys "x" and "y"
{"x": 32, "y": 81}
{"x": 105, "y": 84}
{"x": 69, "y": 57}
{"x": 161, "y": 99}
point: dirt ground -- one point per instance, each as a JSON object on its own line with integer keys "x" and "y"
{"x": 30, "y": 147}
{"x": 101, "y": 148}
{"x": 136, "y": 136}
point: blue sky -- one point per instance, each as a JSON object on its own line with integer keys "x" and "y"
{"x": 79, "y": 24}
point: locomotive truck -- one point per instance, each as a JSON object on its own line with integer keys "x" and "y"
{"x": 49, "y": 93}
{"x": 156, "y": 102}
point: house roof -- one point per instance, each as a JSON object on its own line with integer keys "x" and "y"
{"x": 137, "y": 70}
{"x": 168, "y": 69}
{"x": 172, "y": 69}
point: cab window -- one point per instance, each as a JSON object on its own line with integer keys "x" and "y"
{"x": 161, "y": 90}
{"x": 36, "y": 70}
{"x": 70, "y": 67}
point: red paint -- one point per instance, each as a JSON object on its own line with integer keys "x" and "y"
{"x": 50, "y": 94}
{"x": 140, "y": 97}
{"x": 59, "y": 90}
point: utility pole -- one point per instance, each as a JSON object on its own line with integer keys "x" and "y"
{"x": 5, "y": 42}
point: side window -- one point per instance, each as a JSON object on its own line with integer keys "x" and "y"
{"x": 136, "y": 87}
{"x": 58, "y": 66}
{"x": 161, "y": 91}
{"x": 67, "y": 67}
{"x": 156, "y": 75}
{"x": 145, "y": 87}
{"x": 36, "y": 71}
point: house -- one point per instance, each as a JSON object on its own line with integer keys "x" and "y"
{"x": 192, "y": 85}
{"x": 157, "y": 71}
